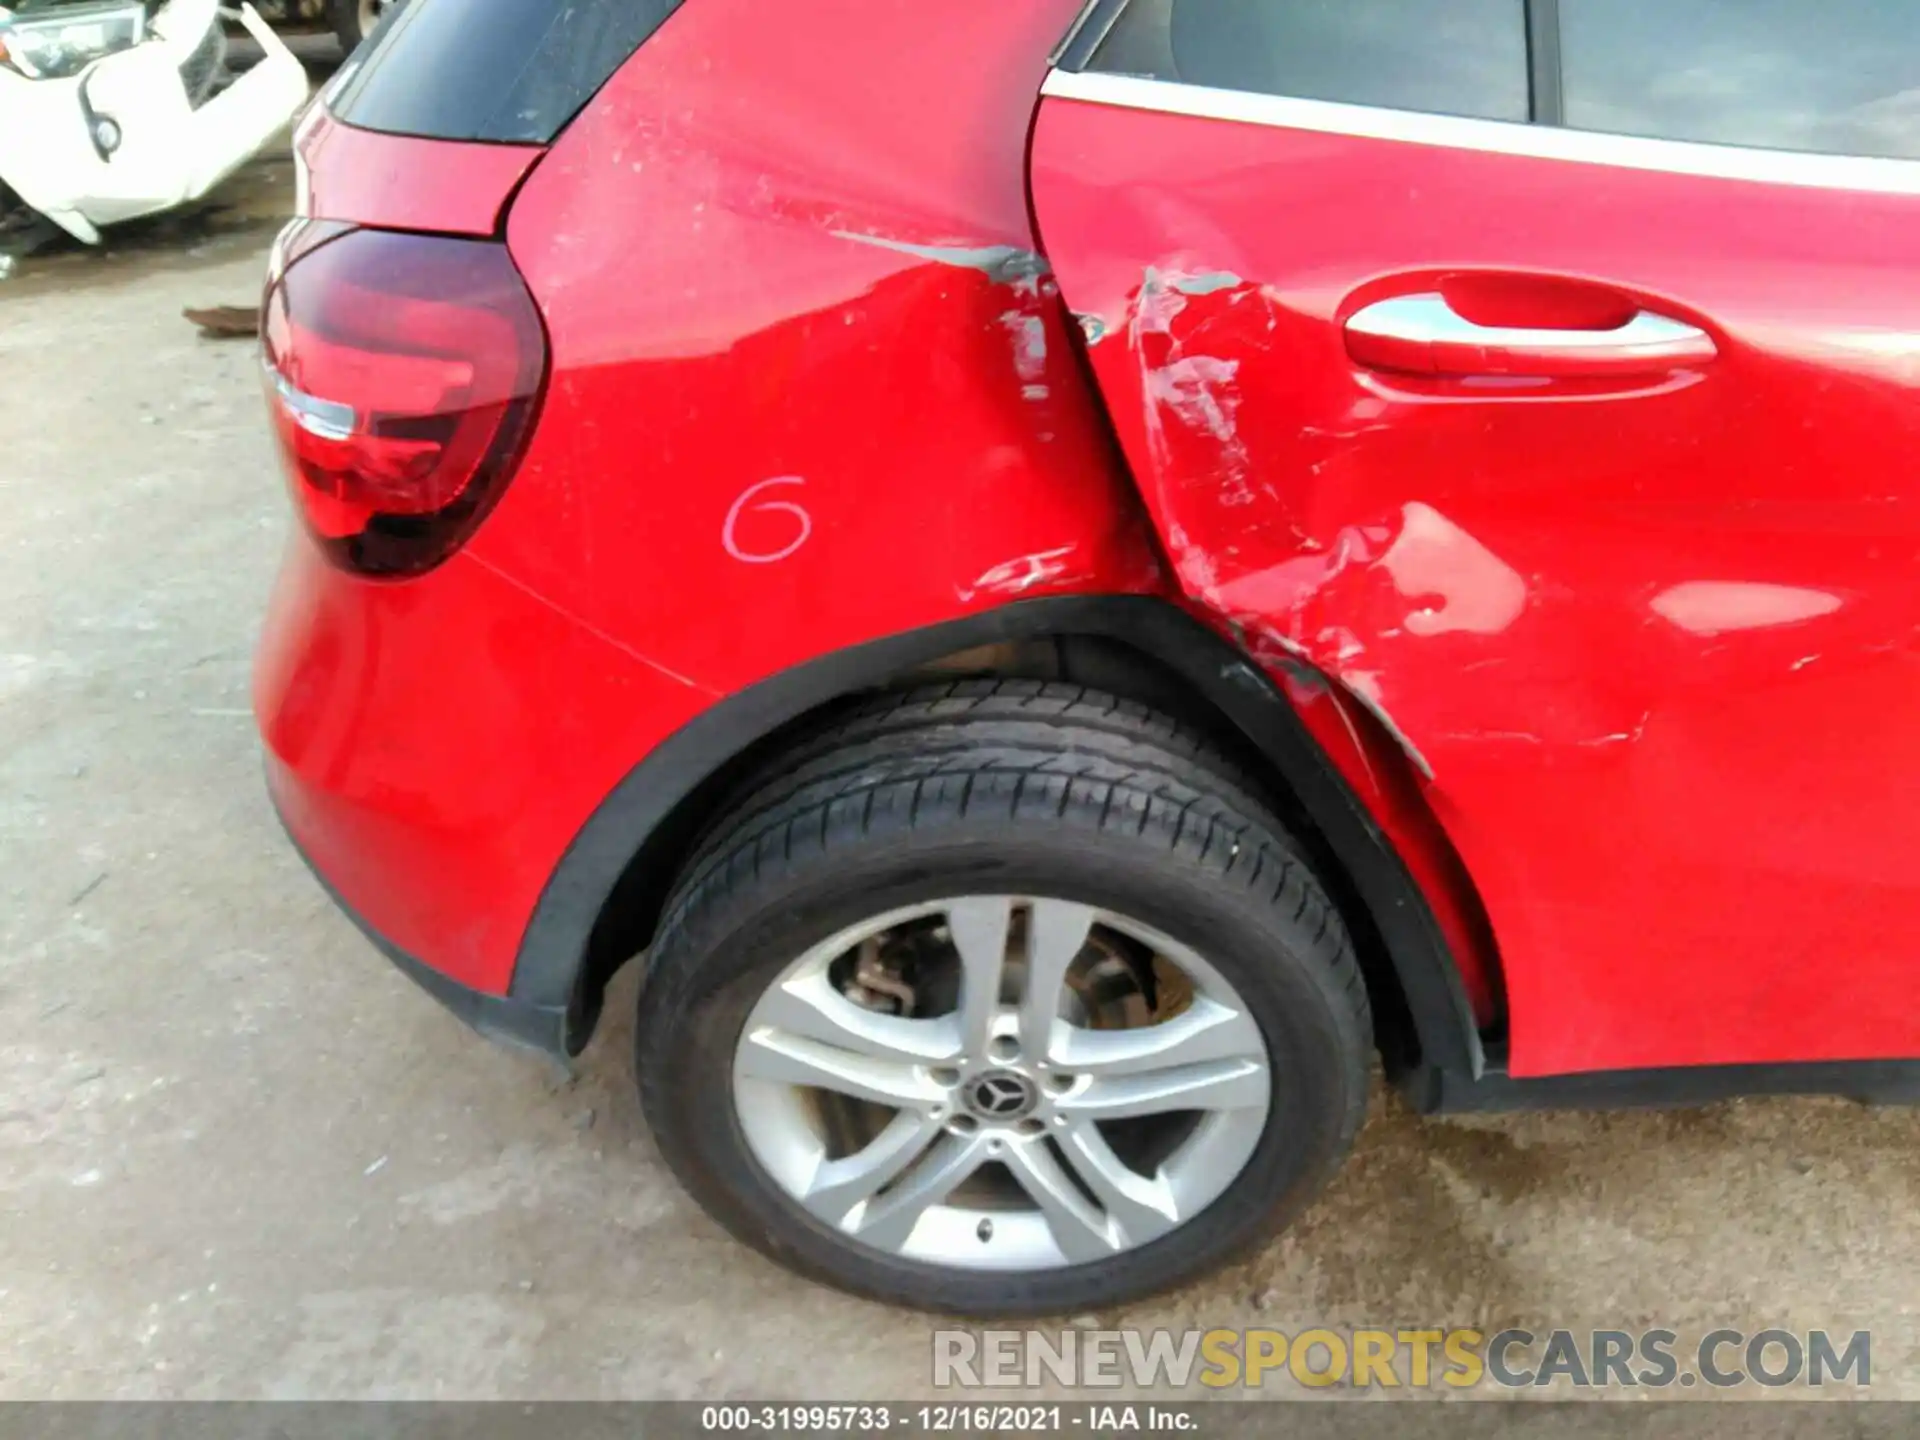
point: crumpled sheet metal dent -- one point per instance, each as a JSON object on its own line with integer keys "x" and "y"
{"x": 1388, "y": 594}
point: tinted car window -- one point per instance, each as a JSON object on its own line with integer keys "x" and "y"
{"x": 1832, "y": 75}
{"x": 1454, "y": 57}
{"x": 490, "y": 69}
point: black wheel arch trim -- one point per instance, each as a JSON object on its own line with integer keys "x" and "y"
{"x": 553, "y": 951}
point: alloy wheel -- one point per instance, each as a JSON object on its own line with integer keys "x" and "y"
{"x": 1001, "y": 1082}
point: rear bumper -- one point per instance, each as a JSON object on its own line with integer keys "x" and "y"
{"x": 170, "y": 152}
{"x": 433, "y": 746}
{"x": 498, "y": 1017}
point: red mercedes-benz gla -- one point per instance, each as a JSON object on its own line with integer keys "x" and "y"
{"x": 1067, "y": 575}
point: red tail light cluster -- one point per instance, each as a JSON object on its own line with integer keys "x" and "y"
{"x": 403, "y": 372}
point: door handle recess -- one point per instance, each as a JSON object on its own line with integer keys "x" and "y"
{"x": 1423, "y": 335}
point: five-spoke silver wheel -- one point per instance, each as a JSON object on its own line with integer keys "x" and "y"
{"x": 1002, "y": 1082}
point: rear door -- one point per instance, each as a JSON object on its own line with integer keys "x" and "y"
{"x": 1544, "y": 373}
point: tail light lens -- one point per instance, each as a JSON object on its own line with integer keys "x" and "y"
{"x": 403, "y": 373}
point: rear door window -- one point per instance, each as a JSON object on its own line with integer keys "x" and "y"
{"x": 1452, "y": 57}
{"x": 505, "y": 70}
{"x": 1839, "y": 76}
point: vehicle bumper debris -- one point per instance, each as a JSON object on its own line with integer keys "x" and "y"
{"x": 138, "y": 131}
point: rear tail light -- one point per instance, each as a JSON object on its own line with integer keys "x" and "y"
{"x": 403, "y": 372}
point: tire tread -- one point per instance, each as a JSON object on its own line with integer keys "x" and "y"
{"x": 975, "y": 760}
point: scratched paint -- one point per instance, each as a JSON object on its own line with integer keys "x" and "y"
{"x": 1199, "y": 389}
{"x": 1204, "y": 284}
{"x": 1199, "y": 392}
{"x": 1364, "y": 686}
{"x": 1015, "y": 577}
{"x": 1008, "y": 264}
{"x": 1029, "y": 335}
{"x": 1157, "y": 305}
{"x": 1347, "y": 601}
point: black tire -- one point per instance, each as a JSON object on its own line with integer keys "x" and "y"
{"x": 349, "y": 24}
{"x": 1004, "y": 787}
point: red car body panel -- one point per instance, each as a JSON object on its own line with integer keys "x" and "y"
{"x": 729, "y": 230}
{"x": 433, "y": 745}
{"x": 397, "y": 182}
{"x": 1649, "y": 641}
{"x": 1380, "y": 776}
{"x": 741, "y": 464}
{"x": 796, "y": 408}
{"x": 1612, "y": 663}
{"x": 761, "y": 441}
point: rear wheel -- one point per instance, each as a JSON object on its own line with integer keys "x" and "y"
{"x": 353, "y": 20}
{"x": 23, "y": 230}
{"x": 1003, "y": 997}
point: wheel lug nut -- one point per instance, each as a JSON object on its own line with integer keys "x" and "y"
{"x": 946, "y": 1076}
{"x": 1060, "y": 1084}
{"x": 1004, "y": 1048}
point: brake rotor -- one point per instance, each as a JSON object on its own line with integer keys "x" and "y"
{"x": 913, "y": 972}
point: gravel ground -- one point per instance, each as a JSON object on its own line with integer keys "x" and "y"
{"x": 241, "y": 1158}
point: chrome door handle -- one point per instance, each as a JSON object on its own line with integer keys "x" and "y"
{"x": 1423, "y": 334}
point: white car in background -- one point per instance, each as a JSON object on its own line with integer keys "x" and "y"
{"x": 113, "y": 109}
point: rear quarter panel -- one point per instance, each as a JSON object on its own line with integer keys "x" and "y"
{"x": 809, "y": 386}
{"x": 810, "y": 383}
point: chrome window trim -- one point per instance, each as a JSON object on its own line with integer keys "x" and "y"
{"x": 1453, "y": 132}
{"x": 1090, "y": 30}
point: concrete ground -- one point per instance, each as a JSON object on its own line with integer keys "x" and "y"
{"x": 239, "y": 1157}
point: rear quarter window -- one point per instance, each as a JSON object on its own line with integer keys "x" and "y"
{"x": 502, "y": 70}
